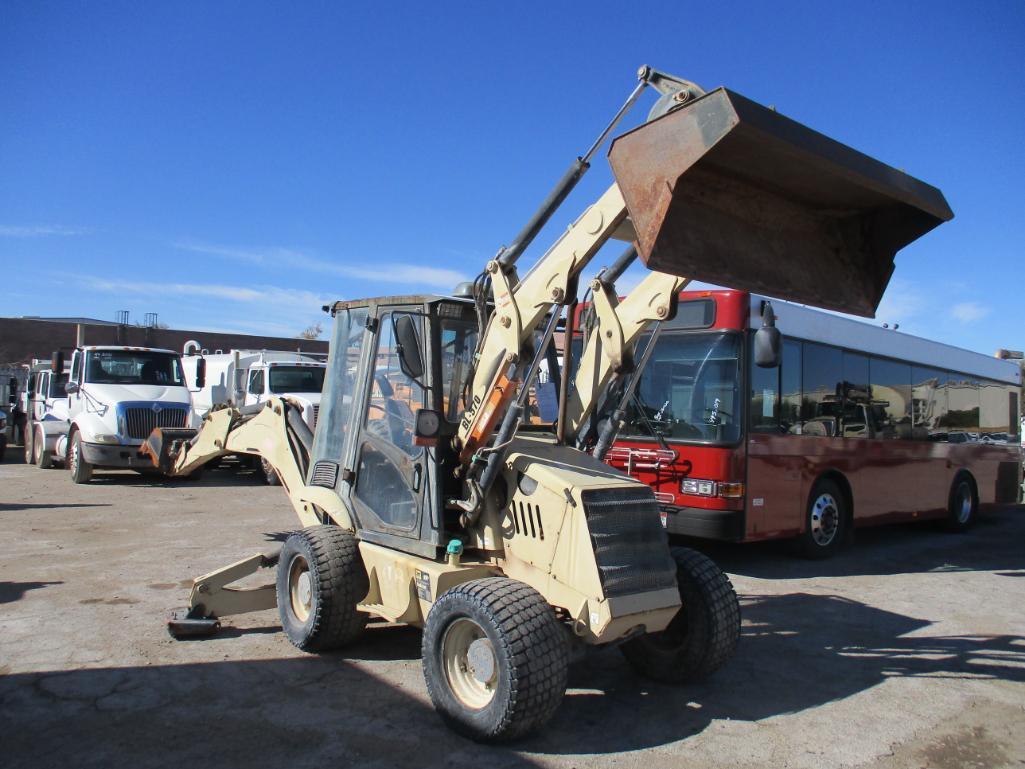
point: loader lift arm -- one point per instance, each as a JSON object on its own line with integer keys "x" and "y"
{"x": 521, "y": 305}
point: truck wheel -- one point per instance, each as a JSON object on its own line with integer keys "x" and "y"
{"x": 43, "y": 460}
{"x": 81, "y": 471}
{"x": 495, "y": 659}
{"x": 30, "y": 450}
{"x": 270, "y": 475}
{"x": 704, "y": 632}
{"x": 961, "y": 505}
{"x": 320, "y": 580}
{"x": 825, "y": 521}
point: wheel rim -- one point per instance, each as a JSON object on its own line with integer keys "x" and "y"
{"x": 825, "y": 519}
{"x": 470, "y": 663}
{"x": 964, "y": 503}
{"x": 74, "y": 458}
{"x": 300, "y": 588}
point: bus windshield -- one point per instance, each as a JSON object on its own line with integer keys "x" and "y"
{"x": 145, "y": 367}
{"x": 296, "y": 379}
{"x": 689, "y": 390}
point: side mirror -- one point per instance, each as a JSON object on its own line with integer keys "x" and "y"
{"x": 768, "y": 342}
{"x": 201, "y": 373}
{"x": 57, "y": 362}
{"x": 426, "y": 428}
{"x": 408, "y": 347}
{"x": 71, "y": 388}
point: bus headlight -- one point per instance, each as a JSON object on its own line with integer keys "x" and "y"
{"x": 700, "y": 488}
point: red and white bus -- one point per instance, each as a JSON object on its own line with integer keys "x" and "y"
{"x": 858, "y": 425}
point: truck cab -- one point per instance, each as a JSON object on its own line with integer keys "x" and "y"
{"x": 45, "y": 402}
{"x": 116, "y": 397}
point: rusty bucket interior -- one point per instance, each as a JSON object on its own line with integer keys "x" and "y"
{"x": 730, "y": 192}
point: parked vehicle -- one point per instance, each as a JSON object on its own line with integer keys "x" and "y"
{"x": 3, "y": 434}
{"x": 116, "y": 397}
{"x": 249, "y": 377}
{"x": 45, "y": 402}
{"x": 852, "y": 425}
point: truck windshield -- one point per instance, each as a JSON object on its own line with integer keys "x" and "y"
{"x": 133, "y": 367}
{"x": 689, "y": 390}
{"x": 296, "y": 379}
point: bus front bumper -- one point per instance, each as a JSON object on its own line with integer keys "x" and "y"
{"x": 707, "y": 524}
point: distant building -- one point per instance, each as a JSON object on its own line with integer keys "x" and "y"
{"x": 25, "y": 338}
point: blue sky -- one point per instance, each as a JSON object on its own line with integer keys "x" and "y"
{"x": 236, "y": 165}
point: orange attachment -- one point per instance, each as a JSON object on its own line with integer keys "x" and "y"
{"x": 487, "y": 415}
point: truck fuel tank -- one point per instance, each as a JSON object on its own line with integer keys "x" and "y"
{"x": 730, "y": 192}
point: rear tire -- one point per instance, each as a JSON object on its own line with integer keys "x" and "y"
{"x": 495, "y": 659}
{"x": 825, "y": 521}
{"x": 321, "y": 579}
{"x": 81, "y": 471}
{"x": 962, "y": 505}
{"x": 704, "y": 633}
{"x": 43, "y": 459}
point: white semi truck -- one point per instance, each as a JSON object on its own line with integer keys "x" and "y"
{"x": 241, "y": 378}
{"x": 45, "y": 403}
{"x": 116, "y": 396}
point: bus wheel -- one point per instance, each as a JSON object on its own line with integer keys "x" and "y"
{"x": 962, "y": 505}
{"x": 39, "y": 452}
{"x": 825, "y": 521}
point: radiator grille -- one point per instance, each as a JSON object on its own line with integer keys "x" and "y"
{"x": 324, "y": 474}
{"x": 140, "y": 422}
{"x": 316, "y": 413}
{"x": 630, "y": 545}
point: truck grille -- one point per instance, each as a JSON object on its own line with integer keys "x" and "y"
{"x": 630, "y": 545}
{"x": 139, "y": 422}
{"x": 316, "y": 413}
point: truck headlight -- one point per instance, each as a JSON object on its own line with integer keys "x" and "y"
{"x": 105, "y": 438}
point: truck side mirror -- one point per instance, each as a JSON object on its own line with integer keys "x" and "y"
{"x": 57, "y": 362}
{"x": 408, "y": 343}
{"x": 768, "y": 344}
{"x": 71, "y": 388}
{"x": 201, "y": 373}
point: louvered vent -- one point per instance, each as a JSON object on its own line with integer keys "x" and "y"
{"x": 325, "y": 474}
{"x": 527, "y": 520}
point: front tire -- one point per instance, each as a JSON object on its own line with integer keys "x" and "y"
{"x": 825, "y": 521}
{"x": 42, "y": 457}
{"x": 704, "y": 633}
{"x": 495, "y": 659}
{"x": 81, "y": 471}
{"x": 321, "y": 579}
{"x": 962, "y": 505}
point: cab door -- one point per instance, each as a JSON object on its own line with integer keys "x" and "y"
{"x": 390, "y": 472}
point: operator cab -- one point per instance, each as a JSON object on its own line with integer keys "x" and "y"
{"x": 391, "y": 357}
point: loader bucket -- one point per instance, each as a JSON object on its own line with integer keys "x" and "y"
{"x": 163, "y": 444}
{"x": 727, "y": 191}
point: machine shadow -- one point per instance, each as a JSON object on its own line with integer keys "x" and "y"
{"x": 305, "y": 711}
{"x": 15, "y": 591}
{"x": 797, "y": 651}
{"x": 993, "y": 544}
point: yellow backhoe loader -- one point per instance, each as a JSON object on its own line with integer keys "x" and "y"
{"x": 443, "y": 488}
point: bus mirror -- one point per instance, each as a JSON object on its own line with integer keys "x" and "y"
{"x": 200, "y": 373}
{"x": 409, "y": 347}
{"x": 768, "y": 342}
{"x": 57, "y": 362}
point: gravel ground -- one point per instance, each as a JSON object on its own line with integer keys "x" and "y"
{"x": 907, "y": 650}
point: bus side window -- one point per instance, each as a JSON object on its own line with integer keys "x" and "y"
{"x": 821, "y": 391}
{"x": 891, "y": 399}
{"x": 790, "y": 388}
